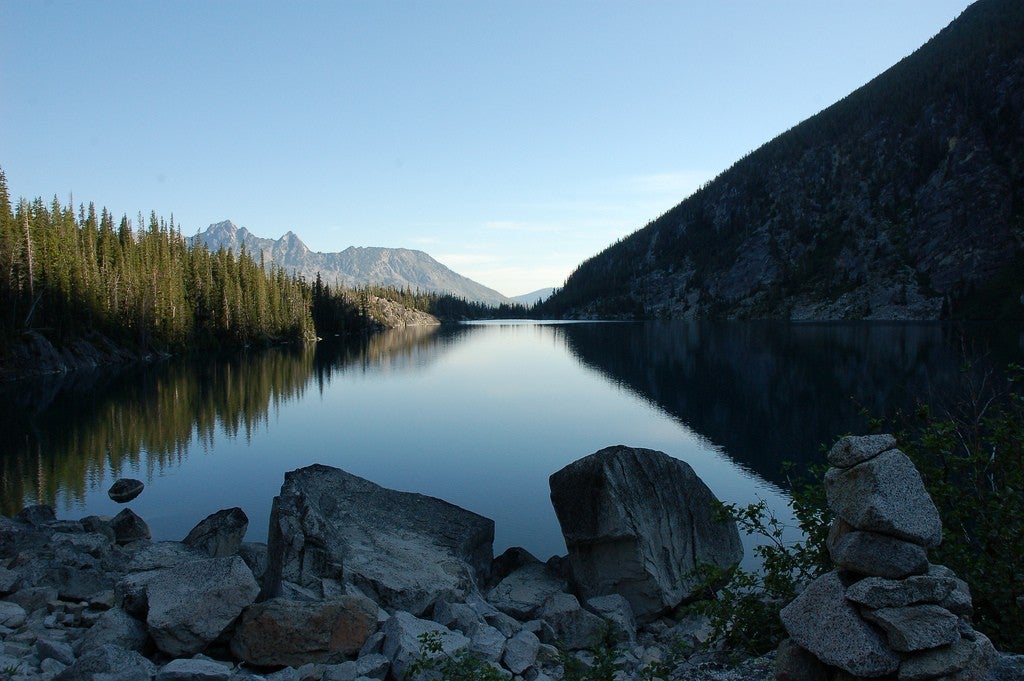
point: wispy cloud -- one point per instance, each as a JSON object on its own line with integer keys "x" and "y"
{"x": 466, "y": 258}
{"x": 680, "y": 183}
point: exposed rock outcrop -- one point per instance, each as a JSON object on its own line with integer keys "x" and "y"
{"x": 638, "y": 523}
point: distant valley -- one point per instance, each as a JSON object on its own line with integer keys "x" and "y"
{"x": 352, "y": 267}
{"x": 534, "y": 296}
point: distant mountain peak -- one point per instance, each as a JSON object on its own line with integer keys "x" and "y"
{"x": 354, "y": 266}
{"x": 222, "y": 227}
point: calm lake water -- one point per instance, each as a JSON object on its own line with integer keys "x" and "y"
{"x": 477, "y": 414}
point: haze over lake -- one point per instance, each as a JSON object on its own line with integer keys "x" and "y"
{"x": 479, "y": 414}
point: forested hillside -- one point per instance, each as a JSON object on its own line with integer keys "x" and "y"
{"x": 67, "y": 275}
{"x": 903, "y": 200}
{"x": 139, "y": 286}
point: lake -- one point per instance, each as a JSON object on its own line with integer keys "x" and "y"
{"x": 477, "y": 414}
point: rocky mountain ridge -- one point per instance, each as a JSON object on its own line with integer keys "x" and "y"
{"x": 352, "y": 267}
{"x": 905, "y": 200}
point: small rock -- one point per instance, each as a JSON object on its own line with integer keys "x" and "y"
{"x": 117, "y": 627}
{"x": 793, "y": 663}
{"x": 951, "y": 659}
{"x": 285, "y": 632}
{"x": 402, "y": 645}
{"x": 959, "y": 601}
{"x": 877, "y": 592}
{"x": 125, "y": 489}
{"x": 823, "y": 622}
{"x": 522, "y": 593}
{"x": 521, "y": 651}
{"x": 916, "y": 627}
{"x": 57, "y": 650}
{"x": 108, "y": 660}
{"x": 456, "y": 616}
{"x": 33, "y": 598}
{"x": 129, "y": 527}
{"x": 614, "y": 609}
{"x": 569, "y": 625}
{"x": 37, "y": 515}
{"x": 12, "y": 615}
{"x": 10, "y": 580}
{"x": 191, "y": 604}
{"x": 878, "y": 555}
{"x": 487, "y": 642}
{"x": 193, "y": 670}
{"x": 854, "y": 449}
{"x": 220, "y": 534}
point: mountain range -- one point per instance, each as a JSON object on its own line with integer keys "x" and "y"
{"x": 352, "y": 267}
{"x": 904, "y": 200}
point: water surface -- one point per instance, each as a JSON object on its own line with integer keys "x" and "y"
{"x": 479, "y": 415}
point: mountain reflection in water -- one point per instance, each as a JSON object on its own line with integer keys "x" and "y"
{"x": 477, "y": 414}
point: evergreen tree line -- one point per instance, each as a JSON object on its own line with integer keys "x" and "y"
{"x": 68, "y": 276}
{"x": 141, "y": 284}
{"x": 445, "y": 306}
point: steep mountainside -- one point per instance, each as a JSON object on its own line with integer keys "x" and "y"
{"x": 903, "y": 200}
{"x": 354, "y": 266}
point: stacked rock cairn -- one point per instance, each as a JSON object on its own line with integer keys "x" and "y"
{"x": 885, "y": 612}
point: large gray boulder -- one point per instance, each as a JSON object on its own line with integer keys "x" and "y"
{"x": 294, "y": 633}
{"x": 638, "y": 522}
{"x": 330, "y": 530}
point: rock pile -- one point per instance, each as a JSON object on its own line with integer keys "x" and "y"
{"x": 885, "y": 611}
{"x": 351, "y": 577}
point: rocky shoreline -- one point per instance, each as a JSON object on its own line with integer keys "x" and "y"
{"x": 35, "y": 355}
{"x": 353, "y": 577}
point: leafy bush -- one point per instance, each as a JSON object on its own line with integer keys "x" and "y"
{"x": 971, "y": 457}
{"x": 744, "y": 612}
{"x": 604, "y": 665}
{"x": 434, "y": 663}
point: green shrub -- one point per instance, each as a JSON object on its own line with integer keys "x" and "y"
{"x": 971, "y": 457}
{"x": 743, "y": 607}
{"x": 605, "y": 662}
{"x": 434, "y": 663}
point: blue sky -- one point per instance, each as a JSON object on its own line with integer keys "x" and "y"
{"x": 509, "y": 140}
